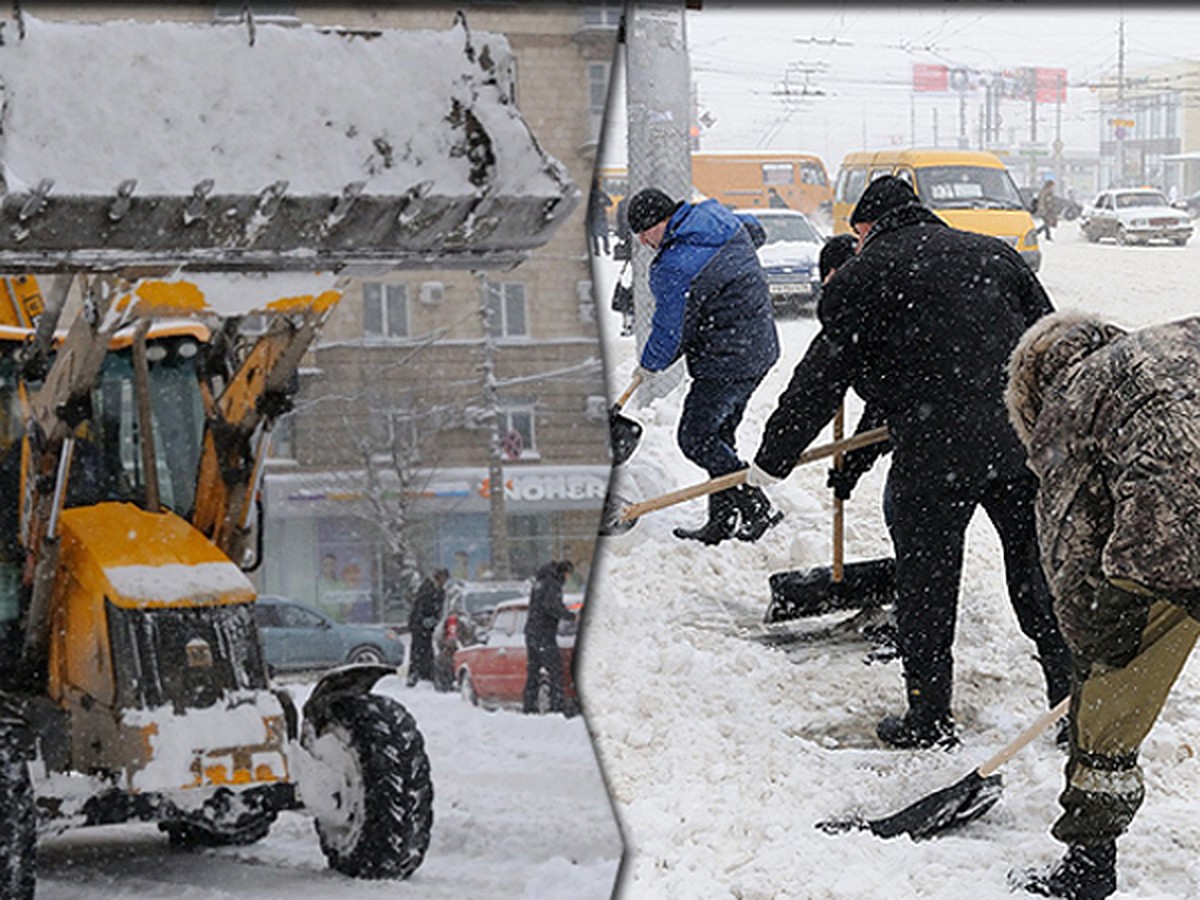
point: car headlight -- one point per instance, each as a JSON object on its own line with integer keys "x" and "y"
{"x": 1030, "y": 239}
{"x": 1138, "y": 223}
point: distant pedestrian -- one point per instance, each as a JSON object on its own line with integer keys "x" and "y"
{"x": 543, "y": 658}
{"x": 1047, "y": 208}
{"x": 422, "y": 619}
{"x": 921, "y": 323}
{"x": 712, "y": 307}
{"x": 599, "y": 204}
{"x": 1111, "y": 421}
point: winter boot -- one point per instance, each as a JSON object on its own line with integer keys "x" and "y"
{"x": 722, "y": 520}
{"x": 757, "y": 513}
{"x": 909, "y": 732}
{"x": 1085, "y": 873}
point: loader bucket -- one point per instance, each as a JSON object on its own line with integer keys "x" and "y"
{"x": 221, "y": 147}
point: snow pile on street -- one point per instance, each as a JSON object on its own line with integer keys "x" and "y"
{"x": 172, "y": 104}
{"x": 520, "y": 811}
{"x": 721, "y": 754}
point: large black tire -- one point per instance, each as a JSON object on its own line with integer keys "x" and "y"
{"x": 18, "y": 824}
{"x": 378, "y": 821}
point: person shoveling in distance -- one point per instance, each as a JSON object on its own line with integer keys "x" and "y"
{"x": 921, "y": 323}
{"x": 711, "y": 306}
{"x": 1111, "y": 421}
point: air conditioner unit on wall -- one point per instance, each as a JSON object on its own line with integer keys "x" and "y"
{"x": 432, "y": 292}
{"x": 596, "y": 409}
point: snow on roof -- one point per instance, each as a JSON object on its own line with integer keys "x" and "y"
{"x": 253, "y": 139}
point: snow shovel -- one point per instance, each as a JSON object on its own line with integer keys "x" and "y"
{"x": 956, "y": 805}
{"x": 620, "y": 516}
{"x": 625, "y": 433}
{"x": 815, "y": 592}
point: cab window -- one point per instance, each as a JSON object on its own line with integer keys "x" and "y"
{"x": 811, "y": 173}
{"x": 851, "y": 185}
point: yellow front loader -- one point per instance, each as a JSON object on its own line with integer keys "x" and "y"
{"x": 135, "y": 415}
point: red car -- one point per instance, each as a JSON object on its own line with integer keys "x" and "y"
{"x": 492, "y": 672}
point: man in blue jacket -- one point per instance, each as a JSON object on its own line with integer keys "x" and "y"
{"x": 712, "y": 307}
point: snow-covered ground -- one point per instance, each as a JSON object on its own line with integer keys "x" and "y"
{"x": 721, "y": 753}
{"x": 520, "y": 811}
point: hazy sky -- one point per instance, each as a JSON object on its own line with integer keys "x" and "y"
{"x": 835, "y": 78}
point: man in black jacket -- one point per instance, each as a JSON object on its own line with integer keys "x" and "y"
{"x": 541, "y": 635}
{"x": 921, "y": 324}
{"x": 422, "y": 619}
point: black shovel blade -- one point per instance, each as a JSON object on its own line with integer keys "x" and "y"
{"x": 942, "y": 811}
{"x": 813, "y": 592}
{"x": 625, "y": 435}
{"x": 611, "y": 521}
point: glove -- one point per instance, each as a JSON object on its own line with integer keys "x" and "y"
{"x": 760, "y": 478}
{"x": 842, "y": 481}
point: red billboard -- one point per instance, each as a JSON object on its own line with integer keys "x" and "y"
{"x": 1051, "y": 85}
{"x": 930, "y": 78}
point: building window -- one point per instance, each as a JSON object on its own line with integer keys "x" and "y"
{"x": 385, "y": 309}
{"x": 597, "y": 97}
{"x": 518, "y": 419}
{"x": 506, "y": 305}
{"x": 605, "y": 14}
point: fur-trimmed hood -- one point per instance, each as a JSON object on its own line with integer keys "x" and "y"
{"x": 1052, "y": 346}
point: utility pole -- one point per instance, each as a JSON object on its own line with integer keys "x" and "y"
{"x": 658, "y": 108}
{"x": 1120, "y": 129}
{"x": 497, "y": 509}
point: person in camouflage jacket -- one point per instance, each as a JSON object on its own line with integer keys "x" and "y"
{"x": 1111, "y": 422}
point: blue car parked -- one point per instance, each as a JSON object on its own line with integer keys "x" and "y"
{"x": 297, "y": 637}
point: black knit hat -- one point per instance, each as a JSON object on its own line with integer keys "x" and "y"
{"x": 649, "y": 207}
{"x": 836, "y": 251}
{"x": 882, "y": 195}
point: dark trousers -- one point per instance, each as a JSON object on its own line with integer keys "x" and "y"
{"x": 420, "y": 656}
{"x": 600, "y": 240}
{"x": 540, "y": 654}
{"x": 929, "y": 531}
{"x": 712, "y": 411}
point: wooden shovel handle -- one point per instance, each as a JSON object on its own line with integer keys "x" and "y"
{"x": 633, "y": 386}
{"x": 839, "y": 514}
{"x": 733, "y": 479}
{"x": 1040, "y": 724}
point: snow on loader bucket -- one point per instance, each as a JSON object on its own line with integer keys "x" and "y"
{"x": 170, "y": 178}
{"x": 127, "y": 144}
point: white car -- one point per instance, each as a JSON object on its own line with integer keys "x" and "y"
{"x": 1134, "y": 216}
{"x": 789, "y": 259}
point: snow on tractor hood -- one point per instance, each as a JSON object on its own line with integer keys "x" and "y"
{"x": 268, "y": 148}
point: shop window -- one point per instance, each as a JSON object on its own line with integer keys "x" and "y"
{"x": 385, "y": 309}
{"x": 506, "y": 308}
